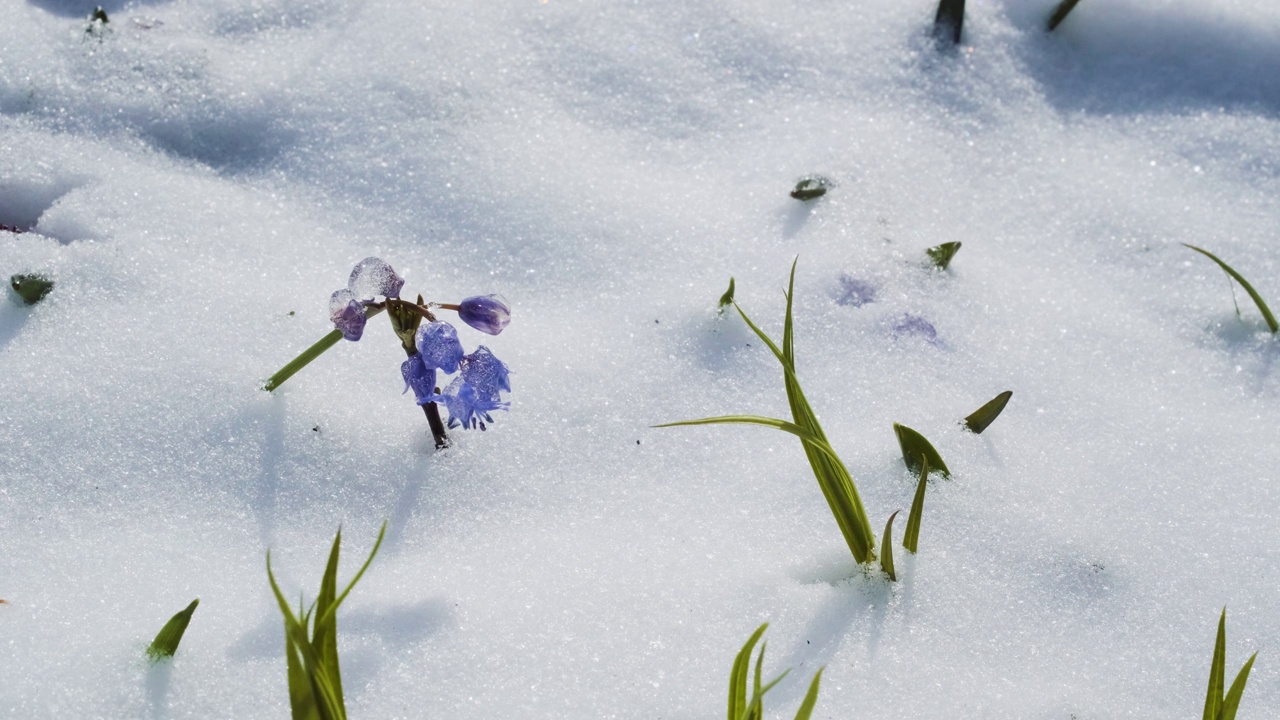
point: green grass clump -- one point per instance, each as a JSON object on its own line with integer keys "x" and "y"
{"x": 981, "y": 418}
{"x": 1216, "y": 705}
{"x": 743, "y": 708}
{"x": 914, "y": 446}
{"x": 834, "y": 479}
{"x": 1257, "y": 299}
{"x": 166, "y": 642}
{"x": 941, "y": 255}
{"x": 311, "y": 642}
{"x": 1060, "y": 13}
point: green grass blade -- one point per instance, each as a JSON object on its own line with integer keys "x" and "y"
{"x": 324, "y": 632}
{"x": 727, "y": 297}
{"x": 376, "y": 545}
{"x": 810, "y": 698}
{"x": 914, "y": 445}
{"x": 942, "y": 254}
{"x": 949, "y": 21}
{"x": 911, "y": 537}
{"x": 310, "y": 354}
{"x": 985, "y": 415}
{"x": 1232, "y": 702}
{"x": 768, "y": 341}
{"x": 1217, "y": 671}
{"x": 1257, "y": 299}
{"x": 1060, "y": 13}
{"x": 738, "y": 676}
{"x": 302, "y": 699}
{"x": 788, "y": 336}
{"x": 886, "y": 549}
{"x": 166, "y": 642}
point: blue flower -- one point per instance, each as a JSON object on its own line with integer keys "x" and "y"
{"x": 466, "y": 407}
{"x": 438, "y": 345}
{"x": 370, "y": 278}
{"x": 486, "y": 313}
{"x": 421, "y": 378}
{"x": 486, "y": 373}
{"x": 347, "y": 314}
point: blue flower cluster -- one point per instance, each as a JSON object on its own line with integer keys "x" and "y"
{"x": 474, "y": 394}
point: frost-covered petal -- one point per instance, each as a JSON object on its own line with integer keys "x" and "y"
{"x": 421, "y": 378}
{"x": 347, "y": 314}
{"x": 438, "y": 345}
{"x": 372, "y": 277}
{"x": 466, "y": 407}
{"x": 486, "y": 373}
{"x": 486, "y": 313}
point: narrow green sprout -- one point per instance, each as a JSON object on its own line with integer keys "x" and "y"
{"x": 743, "y": 708}
{"x": 310, "y": 354}
{"x": 166, "y": 642}
{"x": 949, "y": 21}
{"x": 727, "y": 298}
{"x": 911, "y": 537}
{"x": 31, "y": 288}
{"x": 886, "y": 549}
{"x": 833, "y": 478}
{"x": 1216, "y": 706}
{"x": 1060, "y": 13}
{"x": 311, "y": 642}
{"x": 942, "y": 254}
{"x": 981, "y": 418}
{"x": 1257, "y": 299}
{"x": 811, "y": 188}
{"x": 913, "y": 446}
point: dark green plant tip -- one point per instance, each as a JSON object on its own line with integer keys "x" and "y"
{"x": 981, "y": 418}
{"x": 913, "y": 445}
{"x": 1218, "y": 706}
{"x": 886, "y": 549}
{"x": 942, "y": 254}
{"x": 100, "y": 15}
{"x": 1257, "y": 299}
{"x": 949, "y": 21}
{"x": 810, "y": 698}
{"x": 1060, "y": 13}
{"x": 911, "y": 536}
{"x": 166, "y": 642}
{"x": 811, "y": 187}
{"x": 31, "y": 288}
{"x": 727, "y": 298}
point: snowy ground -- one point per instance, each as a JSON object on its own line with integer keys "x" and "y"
{"x": 200, "y": 178}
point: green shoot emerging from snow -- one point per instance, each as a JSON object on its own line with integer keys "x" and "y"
{"x": 987, "y": 414}
{"x": 742, "y": 708}
{"x": 834, "y": 479}
{"x": 914, "y": 445}
{"x": 1060, "y": 13}
{"x": 1216, "y": 705}
{"x": 1257, "y": 299}
{"x": 166, "y": 642}
{"x": 911, "y": 538}
{"x": 942, "y": 254}
{"x": 311, "y": 642}
{"x": 886, "y": 549}
{"x": 727, "y": 298}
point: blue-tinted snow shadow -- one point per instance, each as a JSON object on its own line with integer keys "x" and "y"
{"x": 1130, "y": 57}
{"x": 12, "y": 317}
{"x": 796, "y": 217}
{"x": 158, "y": 680}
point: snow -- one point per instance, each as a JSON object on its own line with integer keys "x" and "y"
{"x": 199, "y": 178}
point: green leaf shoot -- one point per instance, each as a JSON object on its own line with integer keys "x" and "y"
{"x": 738, "y": 676}
{"x": 914, "y": 445}
{"x": 911, "y": 536}
{"x": 1216, "y": 705}
{"x": 311, "y": 647}
{"x": 985, "y": 415}
{"x": 1060, "y": 13}
{"x": 30, "y": 288}
{"x": 810, "y": 698}
{"x": 942, "y": 254}
{"x": 811, "y": 187}
{"x": 727, "y": 298}
{"x": 1257, "y": 299}
{"x": 166, "y": 641}
{"x": 886, "y": 549}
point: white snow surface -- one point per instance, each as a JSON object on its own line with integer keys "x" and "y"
{"x": 198, "y": 180}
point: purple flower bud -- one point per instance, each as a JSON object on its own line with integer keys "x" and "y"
{"x": 486, "y": 313}
{"x": 372, "y": 277}
{"x": 438, "y": 345}
{"x": 486, "y": 373}
{"x": 421, "y": 378}
{"x": 347, "y": 314}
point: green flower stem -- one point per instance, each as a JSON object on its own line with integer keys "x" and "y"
{"x": 310, "y": 354}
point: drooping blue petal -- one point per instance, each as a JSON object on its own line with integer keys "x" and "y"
{"x": 486, "y": 313}
{"x": 466, "y": 407}
{"x": 372, "y": 277}
{"x": 486, "y": 373}
{"x": 347, "y": 314}
{"x": 421, "y": 378}
{"x": 438, "y": 345}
